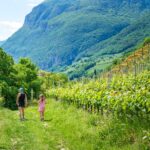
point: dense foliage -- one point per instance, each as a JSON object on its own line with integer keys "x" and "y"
{"x": 51, "y": 80}
{"x": 121, "y": 95}
{"x": 146, "y": 41}
{"x": 13, "y": 76}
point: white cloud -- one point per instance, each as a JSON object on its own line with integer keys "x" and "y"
{"x": 7, "y": 28}
{"x": 10, "y": 24}
{"x": 32, "y": 3}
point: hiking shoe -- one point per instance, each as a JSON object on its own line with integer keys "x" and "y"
{"x": 21, "y": 119}
{"x": 42, "y": 119}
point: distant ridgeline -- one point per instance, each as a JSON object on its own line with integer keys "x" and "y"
{"x": 79, "y": 36}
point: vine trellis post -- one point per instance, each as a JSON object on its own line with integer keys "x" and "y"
{"x": 32, "y": 95}
{"x": 0, "y": 91}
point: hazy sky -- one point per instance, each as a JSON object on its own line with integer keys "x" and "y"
{"x": 12, "y": 15}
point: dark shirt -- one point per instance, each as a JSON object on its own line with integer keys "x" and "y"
{"x": 21, "y": 100}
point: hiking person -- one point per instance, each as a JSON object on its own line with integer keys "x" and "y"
{"x": 21, "y": 102}
{"x": 41, "y": 109}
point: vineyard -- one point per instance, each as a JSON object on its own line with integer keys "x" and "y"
{"x": 125, "y": 90}
{"x": 134, "y": 64}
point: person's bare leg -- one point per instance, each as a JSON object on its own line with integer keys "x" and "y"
{"x": 22, "y": 113}
{"x": 19, "y": 113}
{"x": 40, "y": 115}
{"x": 43, "y": 115}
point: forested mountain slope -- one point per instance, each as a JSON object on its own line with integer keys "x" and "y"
{"x": 59, "y": 33}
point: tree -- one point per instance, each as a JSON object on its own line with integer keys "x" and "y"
{"x": 13, "y": 76}
{"x": 27, "y": 76}
{"x": 7, "y": 80}
{"x": 146, "y": 41}
{"x": 6, "y": 65}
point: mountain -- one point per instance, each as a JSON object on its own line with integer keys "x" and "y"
{"x": 62, "y": 33}
{"x": 101, "y": 55}
{"x": 1, "y": 42}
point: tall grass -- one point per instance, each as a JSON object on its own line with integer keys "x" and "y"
{"x": 66, "y": 127}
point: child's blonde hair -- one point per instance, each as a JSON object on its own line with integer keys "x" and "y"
{"x": 41, "y": 95}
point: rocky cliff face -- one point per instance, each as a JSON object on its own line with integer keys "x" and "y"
{"x": 52, "y": 8}
{"x": 55, "y": 33}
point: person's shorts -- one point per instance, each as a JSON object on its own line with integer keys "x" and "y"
{"x": 21, "y": 105}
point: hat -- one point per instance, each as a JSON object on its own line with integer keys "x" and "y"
{"x": 21, "y": 90}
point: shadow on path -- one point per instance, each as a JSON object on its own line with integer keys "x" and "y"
{"x": 48, "y": 120}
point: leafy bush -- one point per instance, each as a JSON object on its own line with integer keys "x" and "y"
{"x": 13, "y": 76}
{"x": 146, "y": 41}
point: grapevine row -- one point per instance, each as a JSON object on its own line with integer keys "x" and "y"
{"x": 121, "y": 95}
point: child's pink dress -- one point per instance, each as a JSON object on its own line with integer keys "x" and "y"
{"x": 42, "y": 106}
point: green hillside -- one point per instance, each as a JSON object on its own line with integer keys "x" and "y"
{"x": 58, "y": 34}
{"x": 104, "y": 53}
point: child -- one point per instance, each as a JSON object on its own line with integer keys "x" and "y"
{"x": 42, "y": 106}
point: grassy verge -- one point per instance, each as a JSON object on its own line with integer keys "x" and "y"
{"x": 68, "y": 128}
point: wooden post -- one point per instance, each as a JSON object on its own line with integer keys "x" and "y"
{"x": 148, "y": 52}
{"x": 135, "y": 73}
{"x": 32, "y": 95}
{"x": 0, "y": 91}
{"x": 53, "y": 84}
{"x": 59, "y": 84}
